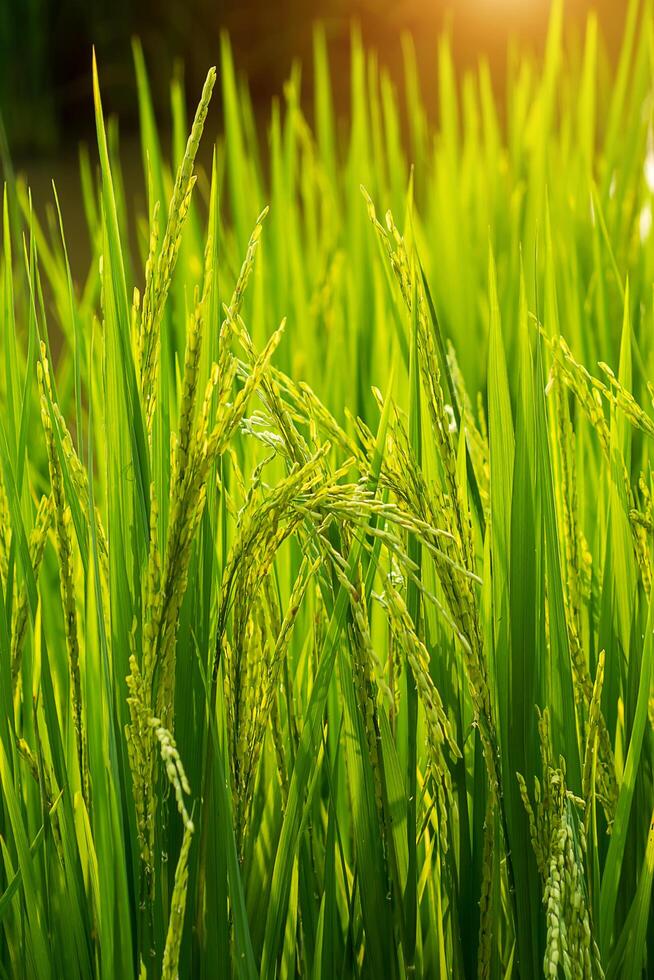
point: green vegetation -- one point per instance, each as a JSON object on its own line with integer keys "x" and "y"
{"x": 326, "y": 642}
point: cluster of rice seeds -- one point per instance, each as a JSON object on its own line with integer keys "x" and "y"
{"x": 174, "y": 768}
{"x": 568, "y": 506}
{"x": 304, "y": 405}
{"x": 643, "y": 514}
{"x": 589, "y": 392}
{"x": 545, "y": 796}
{"x": 160, "y": 267}
{"x": 177, "y": 779}
{"x": 319, "y": 503}
{"x": 80, "y": 481}
{"x": 233, "y": 309}
{"x": 286, "y": 402}
{"x": 428, "y": 514}
{"x": 440, "y": 735}
{"x": 63, "y": 521}
{"x": 188, "y": 494}
{"x": 488, "y": 914}
{"x": 249, "y": 671}
{"x": 140, "y": 753}
{"x": 365, "y": 682}
{"x": 577, "y": 561}
{"x": 281, "y": 626}
{"x": 140, "y": 683}
{"x": 170, "y": 963}
{"x": 453, "y": 510}
{"x": 80, "y": 484}
{"x": 640, "y": 518}
{"x": 559, "y": 844}
{"x": 595, "y": 732}
{"x": 37, "y": 542}
{"x": 269, "y": 709}
{"x": 41, "y": 772}
{"x": 253, "y": 650}
{"x": 570, "y": 942}
{"x": 152, "y": 685}
{"x": 194, "y": 331}
{"x": 287, "y": 439}
{"x": 620, "y": 398}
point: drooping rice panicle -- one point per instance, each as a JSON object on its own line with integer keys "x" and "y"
{"x": 487, "y": 913}
{"x": 174, "y": 768}
{"x": 62, "y": 518}
{"x": 37, "y": 542}
{"x": 439, "y": 733}
{"x": 169, "y": 969}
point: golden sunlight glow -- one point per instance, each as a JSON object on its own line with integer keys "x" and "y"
{"x": 522, "y": 9}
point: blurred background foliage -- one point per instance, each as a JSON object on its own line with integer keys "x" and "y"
{"x": 45, "y": 67}
{"x": 45, "y": 49}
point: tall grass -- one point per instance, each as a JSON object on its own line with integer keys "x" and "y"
{"x": 326, "y": 625}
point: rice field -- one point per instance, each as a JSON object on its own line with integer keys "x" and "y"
{"x": 326, "y": 532}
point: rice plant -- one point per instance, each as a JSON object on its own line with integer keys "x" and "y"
{"x": 326, "y": 609}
